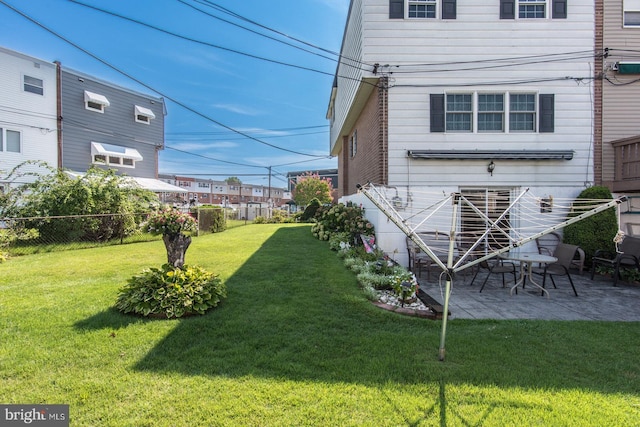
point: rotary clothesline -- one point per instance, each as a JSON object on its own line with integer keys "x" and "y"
{"x": 462, "y": 229}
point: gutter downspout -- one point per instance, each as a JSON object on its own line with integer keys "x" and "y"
{"x": 59, "y": 110}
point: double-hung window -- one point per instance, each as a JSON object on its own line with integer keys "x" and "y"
{"x": 10, "y": 141}
{"x": 631, "y": 13}
{"x": 522, "y": 112}
{"x": 422, "y": 8}
{"x": 459, "y": 112}
{"x": 532, "y": 9}
{"x": 491, "y": 112}
{"x": 33, "y": 85}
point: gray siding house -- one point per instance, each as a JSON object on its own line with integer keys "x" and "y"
{"x": 111, "y": 127}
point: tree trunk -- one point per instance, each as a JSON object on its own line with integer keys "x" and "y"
{"x": 177, "y": 245}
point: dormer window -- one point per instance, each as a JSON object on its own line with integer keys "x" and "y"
{"x": 143, "y": 115}
{"x": 95, "y": 102}
{"x": 114, "y": 155}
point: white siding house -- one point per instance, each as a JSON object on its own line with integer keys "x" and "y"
{"x": 28, "y": 126}
{"x": 429, "y": 93}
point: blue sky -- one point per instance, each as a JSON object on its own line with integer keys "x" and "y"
{"x": 251, "y": 101}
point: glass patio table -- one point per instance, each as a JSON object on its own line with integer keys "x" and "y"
{"x": 526, "y": 260}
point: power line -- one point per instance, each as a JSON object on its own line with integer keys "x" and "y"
{"x": 190, "y": 39}
{"x": 243, "y": 18}
{"x": 188, "y": 108}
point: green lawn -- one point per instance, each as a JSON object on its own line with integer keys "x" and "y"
{"x": 295, "y": 343}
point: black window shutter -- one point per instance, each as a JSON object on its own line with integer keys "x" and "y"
{"x": 396, "y": 9}
{"x": 437, "y": 112}
{"x": 507, "y": 9}
{"x": 547, "y": 112}
{"x": 449, "y": 9}
{"x": 559, "y": 10}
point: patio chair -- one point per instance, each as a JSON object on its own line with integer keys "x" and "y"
{"x": 496, "y": 266}
{"x": 565, "y": 254}
{"x": 627, "y": 257}
{"x": 547, "y": 245}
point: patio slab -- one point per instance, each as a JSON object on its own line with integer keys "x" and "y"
{"x": 598, "y": 299}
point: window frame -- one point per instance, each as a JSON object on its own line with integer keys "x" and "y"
{"x": 91, "y": 102}
{"x": 353, "y": 144}
{"x": 101, "y": 155}
{"x": 39, "y": 88}
{"x": 4, "y": 140}
{"x": 533, "y": 4}
{"x": 631, "y": 7}
{"x": 508, "y": 113}
{"x": 434, "y": 3}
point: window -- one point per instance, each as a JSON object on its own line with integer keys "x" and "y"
{"x": 184, "y": 184}
{"x": 114, "y": 155}
{"x": 532, "y": 9}
{"x": 203, "y": 185}
{"x": 354, "y": 143}
{"x": 95, "y": 102}
{"x": 631, "y": 13}
{"x": 522, "y": 116}
{"x": 459, "y": 113}
{"x": 10, "y": 141}
{"x": 421, "y": 9}
{"x": 33, "y": 85}
{"x": 143, "y": 115}
{"x": 492, "y": 112}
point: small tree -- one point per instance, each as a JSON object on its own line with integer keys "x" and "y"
{"x": 310, "y": 186}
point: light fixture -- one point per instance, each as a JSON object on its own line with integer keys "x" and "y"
{"x": 490, "y": 167}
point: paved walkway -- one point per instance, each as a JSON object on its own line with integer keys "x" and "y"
{"x": 597, "y": 299}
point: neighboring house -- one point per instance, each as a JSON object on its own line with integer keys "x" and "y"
{"x": 617, "y": 104}
{"x": 27, "y": 113}
{"x": 482, "y": 97}
{"x": 111, "y": 127}
{"x": 207, "y": 191}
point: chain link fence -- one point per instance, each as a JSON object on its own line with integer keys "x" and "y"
{"x": 23, "y": 236}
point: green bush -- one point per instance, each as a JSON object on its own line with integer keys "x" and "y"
{"x": 310, "y": 210}
{"x": 341, "y": 218}
{"x": 171, "y": 292}
{"x": 594, "y": 232}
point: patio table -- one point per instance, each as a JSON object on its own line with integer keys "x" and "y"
{"x": 526, "y": 260}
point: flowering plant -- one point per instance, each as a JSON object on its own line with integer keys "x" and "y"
{"x": 404, "y": 285}
{"x": 170, "y": 221}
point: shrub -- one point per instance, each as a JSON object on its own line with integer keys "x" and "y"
{"x": 341, "y": 218}
{"x": 171, "y": 292}
{"x": 260, "y": 220}
{"x": 594, "y": 232}
{"x": 310, "y": 210}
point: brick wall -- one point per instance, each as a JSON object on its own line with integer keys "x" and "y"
{"x": 369, "y": 163}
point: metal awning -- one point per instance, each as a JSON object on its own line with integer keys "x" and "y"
{"x": 142, "y": 111}
{"x": 115, "y": 150}
{"x": 156, "y": 185}
{"x": 96, "y": 98}
{"x": 491, "y": 154}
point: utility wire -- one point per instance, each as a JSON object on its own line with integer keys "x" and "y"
{"x": 240, "y": 17}
{"x": 198, "y": 113}
{"x": 190, "y": 39}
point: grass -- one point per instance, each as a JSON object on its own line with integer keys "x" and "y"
{"x": 295, "y": 343}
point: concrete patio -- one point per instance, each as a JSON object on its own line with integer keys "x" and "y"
{"x": 597, "y": 299}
